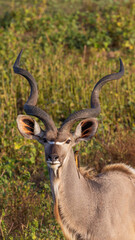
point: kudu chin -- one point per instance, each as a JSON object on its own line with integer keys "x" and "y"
{"x": 98, "y": 208}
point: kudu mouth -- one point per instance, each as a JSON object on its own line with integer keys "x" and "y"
{"x": 54, "y": 165}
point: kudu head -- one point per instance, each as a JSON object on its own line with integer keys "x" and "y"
{"x": 59, "y": 142}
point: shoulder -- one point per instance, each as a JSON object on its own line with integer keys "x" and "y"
{"x": 119, "y": 167}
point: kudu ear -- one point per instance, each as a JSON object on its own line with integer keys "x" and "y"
{"x": 85, "y": 129}
{"x": 28, "y": 127}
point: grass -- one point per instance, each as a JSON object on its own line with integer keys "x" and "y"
{"x": 68, "y": 46}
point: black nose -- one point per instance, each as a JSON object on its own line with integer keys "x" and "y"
{"x": 53, "y": 157}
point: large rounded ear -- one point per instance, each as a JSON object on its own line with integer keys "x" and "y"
{"x": 28, "y": 127}
{"x": 85, "y": 129}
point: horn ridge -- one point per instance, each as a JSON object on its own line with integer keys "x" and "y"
{"x": 95, "y": 104}
{"x": 29, "y": 106}
{"x": 95, "y": 93}
{"x": 41, "y": 114}
{"x": 32, "y": 100}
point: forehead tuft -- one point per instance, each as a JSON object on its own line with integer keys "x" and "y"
{"x": 63, "y": 136}
{"x": 58, "y": 137}
{"x": 50, "y": 135}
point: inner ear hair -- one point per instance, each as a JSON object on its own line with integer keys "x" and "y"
{"x": 88, "y": 127}
{"x": 25, "y": 125}
{"x": 28, "y": 126}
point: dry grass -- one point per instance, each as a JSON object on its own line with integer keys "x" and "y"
{"x": 121, "y": 150}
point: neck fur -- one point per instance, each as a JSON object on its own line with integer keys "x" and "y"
{"x": 69, "y": 191}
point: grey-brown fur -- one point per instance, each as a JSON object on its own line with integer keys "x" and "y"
{"x": 97, "y": 208}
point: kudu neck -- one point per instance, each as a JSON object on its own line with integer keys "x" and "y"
{"x": 75, "y": 195}
{"x": 69, "y": 178}
{"x": 70, "y": 173}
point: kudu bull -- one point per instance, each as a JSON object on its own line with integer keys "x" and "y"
{"x": 98, "y": 208}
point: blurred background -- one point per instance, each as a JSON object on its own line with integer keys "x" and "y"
{"x": 68, "y": 45}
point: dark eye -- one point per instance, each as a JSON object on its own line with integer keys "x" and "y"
{"x": 68, "y": 141}
{"x": 44, "y": 140}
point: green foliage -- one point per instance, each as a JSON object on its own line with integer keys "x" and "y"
{"x": 109, "y": 26}
{"x": 68, "y": 45}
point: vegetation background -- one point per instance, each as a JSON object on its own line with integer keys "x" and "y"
{"x": 68, "y": 46}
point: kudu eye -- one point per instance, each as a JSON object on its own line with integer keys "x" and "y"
{"x": 44, "y": 140}
{"x": 68, "y": 141}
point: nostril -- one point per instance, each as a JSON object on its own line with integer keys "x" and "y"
{"x": 56, "y": 157}
{"x": 49, "y": 157}
{"x": 53, "y": 158}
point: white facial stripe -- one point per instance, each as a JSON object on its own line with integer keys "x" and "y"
{"x": 57, "y": 143}
{"x": 66, "y": 158}
{"x": 50, "y": 142}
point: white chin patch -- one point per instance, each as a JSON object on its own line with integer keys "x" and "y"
{"x": 54, "y": 166}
